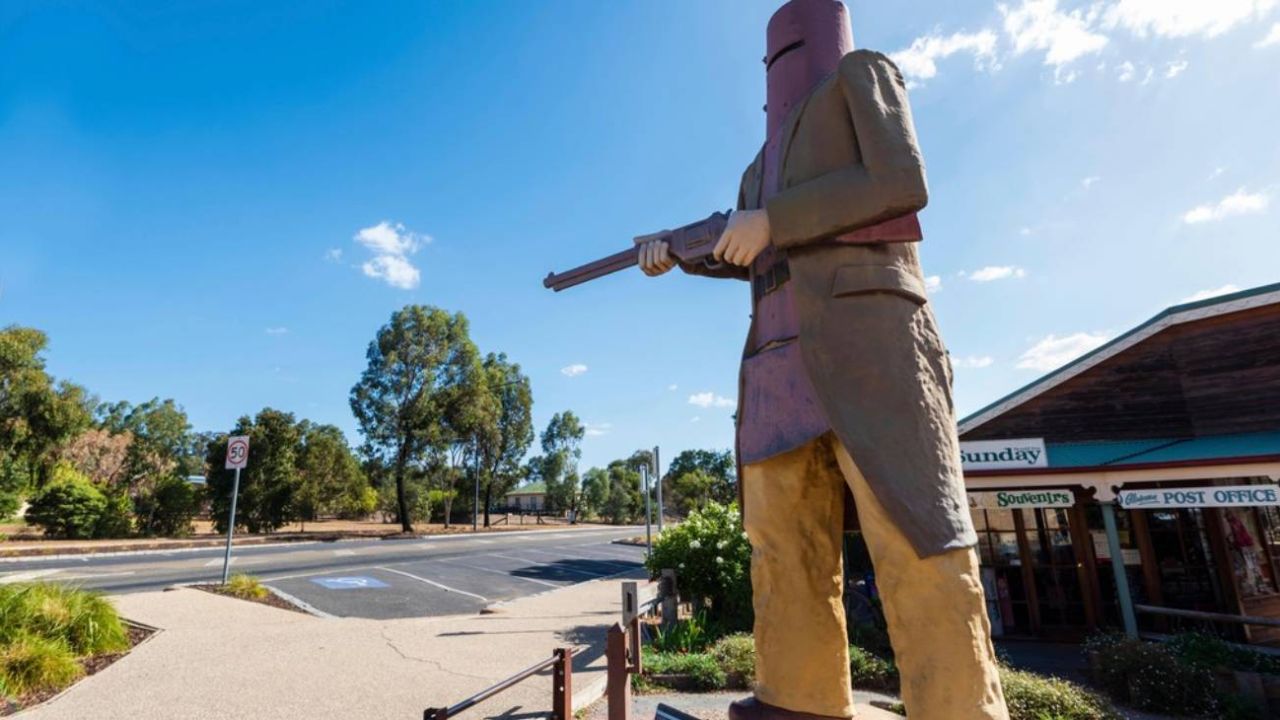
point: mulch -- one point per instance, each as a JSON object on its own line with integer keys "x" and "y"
{"x": 271, "y": 598}
{"x": 93, "y": 664}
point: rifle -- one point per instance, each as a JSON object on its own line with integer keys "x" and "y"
{"x": 690, "y": 245}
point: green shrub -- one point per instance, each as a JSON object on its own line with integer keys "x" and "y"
{"x": 1150, "y": 676}
{"x": 116, "y": 520}
{"x": 167, "y": 510}
{"x": 701, "y": 668}
{"x": 33, "y": 664}
{"x": 69, "y": 506}
{"x": 1207, "y": 651}
{"x": 712, "y": 559}
{"x": 245, "y": 587}
{"x": 84, "y": 621}
{"x": 871, "y": 672}
{"x": 736, "y": 655}
{"x": 688, "y": 635}
{"x": 1035, "y": 697}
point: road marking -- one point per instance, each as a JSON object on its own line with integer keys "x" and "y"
{"x": 446, "y": 588}
{"x": 95, "y": 576}
{"x": 580, "y": 549}
{"x": 344, "y": 553}
{"x": 484, "y": 542}
{"x": 545, "y": 564}
{"x": 234, "y": 561}
{"x": 27, "y": 576}
{"x": 501, "y": 572}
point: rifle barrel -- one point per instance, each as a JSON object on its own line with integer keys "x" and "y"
{"x": 592, "y": 270}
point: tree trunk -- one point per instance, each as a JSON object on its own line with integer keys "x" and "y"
{"x": 488, "y": 492}
{"x": 448, "y": 509}
{"x": 402, "y": 503}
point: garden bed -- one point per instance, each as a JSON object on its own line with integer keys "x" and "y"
{"x": 245, "y": 587}
{"x": 53, "y": 636}
{"x": 91, "y": 665}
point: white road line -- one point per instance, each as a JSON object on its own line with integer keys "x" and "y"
{"x": 344, "y": 553}
{"x": 579, "y": 549}
{"x": 545, "y": 564}
{"x": 235, "y": 561}
{"x": 484, "y": 542}
{"x": 500, "y": 572}
{"x": 95, "y": 576}
{"x": 446, "y": 588}
{"x": 28, "y": 576}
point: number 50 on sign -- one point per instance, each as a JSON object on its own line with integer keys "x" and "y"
{"x": 237, "y": 452}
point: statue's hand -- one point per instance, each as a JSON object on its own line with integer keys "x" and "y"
{"x": 746, "y": 236}
{"x": 655, "y": 254}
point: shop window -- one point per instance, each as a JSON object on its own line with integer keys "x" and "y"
{"x": 1249, "y": 557}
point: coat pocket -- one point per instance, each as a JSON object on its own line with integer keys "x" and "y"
{"x": 852, "y": 280}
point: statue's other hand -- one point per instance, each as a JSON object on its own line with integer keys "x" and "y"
{"x": 655, "y": 254}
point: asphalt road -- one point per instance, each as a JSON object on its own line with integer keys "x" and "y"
{"x": 439, "y": 575}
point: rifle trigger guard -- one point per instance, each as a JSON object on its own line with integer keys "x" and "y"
{"x": 712, "y": 264}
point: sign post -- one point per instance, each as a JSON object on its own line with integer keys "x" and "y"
{"x": 237, "y": 458}
{"x": 657, "y": 473}
{"x": 648, "y": 512}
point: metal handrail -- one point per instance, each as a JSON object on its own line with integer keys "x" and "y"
{"x": 560, "y": 660}
{"x": 1214, "y": 617}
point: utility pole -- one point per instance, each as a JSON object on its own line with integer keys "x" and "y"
{"x": 475, "y": 504}
{"x": 657, "y": 473}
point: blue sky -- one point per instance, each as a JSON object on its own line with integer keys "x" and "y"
{"x": 183, "y": 187}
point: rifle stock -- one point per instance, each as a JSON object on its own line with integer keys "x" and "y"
{"x": 690, "y": 244}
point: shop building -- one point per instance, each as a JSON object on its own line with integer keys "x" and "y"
{"x": 1170, "y": 435}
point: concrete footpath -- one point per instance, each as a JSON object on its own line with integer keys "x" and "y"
{"x": 217, "y": 657}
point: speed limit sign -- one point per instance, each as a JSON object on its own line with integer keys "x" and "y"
{"x": 237, "y": 452}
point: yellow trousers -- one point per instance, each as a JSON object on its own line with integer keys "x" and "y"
{"x": 934, "y": 606}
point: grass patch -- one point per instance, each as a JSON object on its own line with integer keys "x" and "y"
{"x": 50, "y": 636}
{"x": 32, "y": 664}
{"x": 700, "y": 669}
{"x": 245, "y": 587}
{"x": 85, "y": 621}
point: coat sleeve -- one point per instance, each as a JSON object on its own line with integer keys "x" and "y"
{"x": 890, "y": 180}
{"x": 726, "y": 270}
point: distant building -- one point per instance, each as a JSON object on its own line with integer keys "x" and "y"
{"x": 529, "y": 498}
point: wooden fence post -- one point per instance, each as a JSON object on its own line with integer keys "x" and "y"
{"x": 562, "y": 685}
{"x": 670, "y": 599}
{"x": 618, "y": 689}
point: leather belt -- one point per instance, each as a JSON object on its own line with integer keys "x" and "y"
{"x": 771, "y": 279}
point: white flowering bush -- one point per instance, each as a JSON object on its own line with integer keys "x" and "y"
{"x": 712, "y": 559}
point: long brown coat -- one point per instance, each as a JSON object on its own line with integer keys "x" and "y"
{"x": 868, "y": 337}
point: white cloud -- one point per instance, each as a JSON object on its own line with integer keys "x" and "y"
{"x": 573, "y": 370}
{"x": 394, "y": 270}
{"x": 1053, "y": 352}
{"x": 1184, "y": 18}
{"x": 1238, "y": 203}
{"x": 695, "y": 419}
{"x": 1089, "y": 181}
{"x": 1272, "y": 38}
{"x": 1125, "y": 71}
{"x": 933, "y": 284}
{"x": 597, "y": 429}
{"x": 277, "y": 330}
{"x": 995, "y": 272}
{"x": 391, "y": 245}
{"x": 1174, "y": 69}
{"x": 333, "y": 255}
{"x": 919, "y": 61}
{"x": 387, "y": 239}
{"x": 673, "y": 387}
{"x": 1024, "y": 231}
{"x": 710, "y": 399}
{"x": 1217, "y": 172}
{"x": 973, "y": 361}
{"x": 1062, "y": 36}
{"x": 1206, "y": 294}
